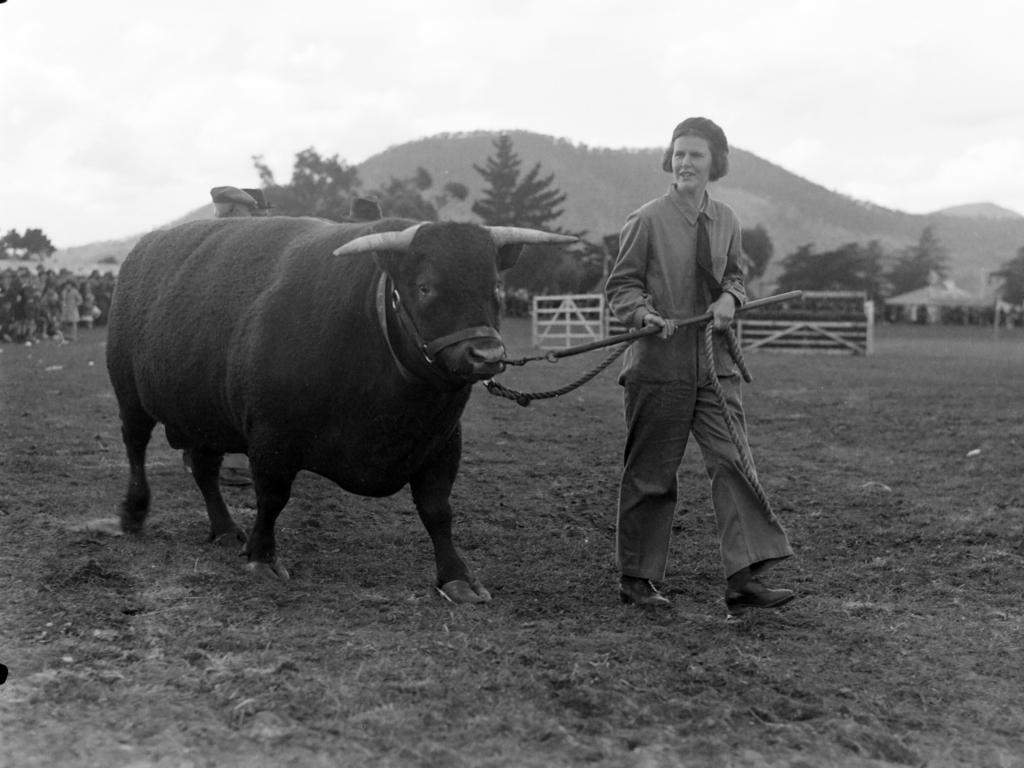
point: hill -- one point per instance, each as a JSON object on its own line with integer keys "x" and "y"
{"x": 603, "y": 185}
{"x": 981, "y": 211}
{"x": 107, "y": 255}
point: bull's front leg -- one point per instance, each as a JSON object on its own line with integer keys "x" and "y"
{"x": 431, "y": 489}
{"x": 273, "y": 489}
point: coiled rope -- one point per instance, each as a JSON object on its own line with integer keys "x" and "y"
{"x": 733, "y": 346}
{"x": 742, "y": 448}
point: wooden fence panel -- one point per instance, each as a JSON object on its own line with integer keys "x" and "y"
{"x": 830, "y": 336}
{"x": 565, "y": 321}
{"x": 836, "y": 322}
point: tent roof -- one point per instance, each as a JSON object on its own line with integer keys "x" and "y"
{"x": 944, "y": 294}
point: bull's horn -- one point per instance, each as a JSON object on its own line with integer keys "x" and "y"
{"x": 379, "y": 241}
{"x": 521, "y": 235}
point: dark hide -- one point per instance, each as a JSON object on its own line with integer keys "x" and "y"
{"x": 249, "y": 335}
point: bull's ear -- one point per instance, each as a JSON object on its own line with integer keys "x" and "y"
{"x": 508, "y": 255}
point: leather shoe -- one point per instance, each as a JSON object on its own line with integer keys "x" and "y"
{"x": 754, "y": 594}
{"x": 642, "y": 592}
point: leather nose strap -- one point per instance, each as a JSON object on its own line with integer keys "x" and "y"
{"x": 477, "y": 332}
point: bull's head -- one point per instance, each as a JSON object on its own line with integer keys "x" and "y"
{"x": 444, "y": 294}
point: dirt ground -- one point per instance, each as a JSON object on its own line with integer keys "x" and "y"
{"x": 898, "y": 476}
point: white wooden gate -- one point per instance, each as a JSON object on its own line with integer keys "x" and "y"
{"x": 821, "y": 321}
{"x": 565, "y": 321}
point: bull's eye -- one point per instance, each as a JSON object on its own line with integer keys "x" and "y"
{"x": 423, "y": 290}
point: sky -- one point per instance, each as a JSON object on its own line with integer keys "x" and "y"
{"x": 118, "y": 116}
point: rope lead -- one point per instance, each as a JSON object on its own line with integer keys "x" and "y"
{"x": 746, "y": 460}
{"x": 525, "y": 398}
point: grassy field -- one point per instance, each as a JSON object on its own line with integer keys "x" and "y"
{"x": 898, "y": 476}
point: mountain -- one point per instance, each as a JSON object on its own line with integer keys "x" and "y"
{"x": 107, "y": 255}
{"x": 981, "y": 211}
{"x": 603, "y": 185}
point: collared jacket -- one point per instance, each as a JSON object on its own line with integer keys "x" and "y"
{"x": 656, "y": 271}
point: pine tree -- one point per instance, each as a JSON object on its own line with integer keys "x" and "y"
{"x": 507, "y": 201}
{"x": 501, "y": 172}
{"x": 920, "y": 263}
{"x": 535, "y": 202}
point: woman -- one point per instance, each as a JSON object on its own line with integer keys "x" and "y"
{"x": 69, "y": 317}
{"x": 679, "y": 257}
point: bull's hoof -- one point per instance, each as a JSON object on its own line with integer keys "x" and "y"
{"x": 462, "y": 592}
{"x": 229, "y": 539}
{"x": 130, "y": 524}
{"x": 273, "y": 570}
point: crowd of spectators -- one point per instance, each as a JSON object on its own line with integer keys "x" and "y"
{"x": 39, "y": 304}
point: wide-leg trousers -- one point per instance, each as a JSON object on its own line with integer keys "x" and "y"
{"x": 660, "y": 417}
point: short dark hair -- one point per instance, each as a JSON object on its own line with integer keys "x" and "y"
{"x": 712, "y": 134}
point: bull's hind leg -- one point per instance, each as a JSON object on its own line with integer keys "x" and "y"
{"x": 136, "y": 430}
{"x": 206, "y": 471}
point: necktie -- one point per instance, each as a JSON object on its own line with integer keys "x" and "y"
{"x": 709, "y": 289}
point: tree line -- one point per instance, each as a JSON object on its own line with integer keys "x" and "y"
{"x": 881, "y": 274}
{"x": 326, "y": 186}
{"x": 33, "y": 244}
{"x": 511, "y": 197}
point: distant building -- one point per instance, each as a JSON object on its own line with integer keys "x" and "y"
{"x": 942, "y": 301}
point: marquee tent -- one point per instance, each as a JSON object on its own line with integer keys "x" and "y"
{"x": 940, "y": 295}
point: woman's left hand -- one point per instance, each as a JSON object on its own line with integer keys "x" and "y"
{"x": 723, "y": 310}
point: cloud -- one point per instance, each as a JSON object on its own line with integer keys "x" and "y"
{"x": 135, "y": 111}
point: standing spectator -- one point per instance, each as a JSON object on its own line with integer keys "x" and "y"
{"x": 6, "y": 308}
{"x": 364, "y": 208}
{"x": 262, "y": 205}
{"x": 70, "y": 300}
{"x": 30, "y": 310}
{"x": 89, "y": 308}
{"x": 103, "y": 289}
{"x": 17, "y": 297}
{"x": 231, "y": 202}
{"x": 50, "y": 305}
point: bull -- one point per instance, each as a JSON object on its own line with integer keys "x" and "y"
{"x": 348, "y": 350}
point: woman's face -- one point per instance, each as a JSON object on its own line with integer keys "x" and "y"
{"x": 691, "y": 163}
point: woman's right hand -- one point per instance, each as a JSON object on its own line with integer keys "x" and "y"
{"x": 668, "y": 327}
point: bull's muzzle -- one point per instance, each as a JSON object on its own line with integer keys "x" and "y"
{"x": 474, "y": 353}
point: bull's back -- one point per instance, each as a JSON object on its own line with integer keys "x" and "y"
{"x": 182, "y": 299}
{"x": 235, "y": 331}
